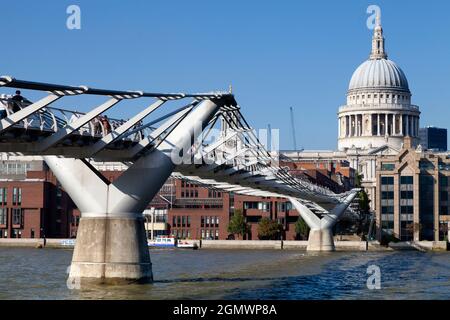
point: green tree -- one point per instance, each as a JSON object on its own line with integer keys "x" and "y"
{"x": 237, "y": 224}
{"x": 364, "y": 202}
{"x": 268, "y": 229}
{"x": 301, "y": 229}
{"x": 358, "y": 180}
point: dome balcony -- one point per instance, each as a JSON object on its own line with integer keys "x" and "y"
{"x": 379, "y": 107}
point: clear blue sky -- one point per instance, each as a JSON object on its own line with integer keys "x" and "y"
{"x": 276, "y": 54}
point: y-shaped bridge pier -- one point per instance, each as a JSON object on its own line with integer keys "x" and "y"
{"x": 111, "y": 244}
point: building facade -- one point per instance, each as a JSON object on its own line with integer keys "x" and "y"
{"x": 413, "y": 195}
{"x": 32, "y": 203}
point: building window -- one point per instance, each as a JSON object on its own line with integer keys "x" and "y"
{"x": 387, "y": 180}
{"x": 406, "y": 208}
{"x": 406, "y": 180}
{"x": 443, "y": 230}
{"x": 387, "y": 226}
{"x": 17, "y": 216}
{"x": 387, "y": 195}
{"x": 406, "y": 230}
{"x": 3, "y": 216}
{"x": 202, "y": 222}
{"x": 14, "y": 196}
{"x": 406, "y": 195}
{"x": 387, "y": 166}
{"x": 16, "y": 233}
{"x": 426, "y": 207}
{"x": 387, "y": 209}
{"x": 3, "y": 196}
{"x": 17, "y": 196}
{"x": 387, "y": 204}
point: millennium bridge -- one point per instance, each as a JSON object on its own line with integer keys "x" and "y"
{"x": 169, "y": 136}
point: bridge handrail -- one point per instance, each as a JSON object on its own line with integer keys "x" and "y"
{"x": 52, "y": 119}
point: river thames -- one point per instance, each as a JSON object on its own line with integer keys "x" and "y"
{"x": 237, "y": 274}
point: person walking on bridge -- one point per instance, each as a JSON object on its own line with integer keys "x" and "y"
{"x": 106, "y": 125}
{"x": 17, "y": 100}
{"x": 3, "y": 105}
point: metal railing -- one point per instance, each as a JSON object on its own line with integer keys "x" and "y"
{"x": 52, "y": 119}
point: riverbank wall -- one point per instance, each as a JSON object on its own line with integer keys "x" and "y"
{"x": 38, "y": 243}
{"x": 287, "y": 245}
{"x": 251, "y": 244}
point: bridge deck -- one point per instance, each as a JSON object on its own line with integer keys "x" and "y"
{"x": 35, "y": 128}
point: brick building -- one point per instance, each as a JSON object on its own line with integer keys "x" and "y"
{"x": 334, "y": 174}
{"x": 32, "y": 203}
{"x": 199, "y": 213}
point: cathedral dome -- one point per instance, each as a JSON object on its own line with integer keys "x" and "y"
{"x": 379, "y": 73}
{"x": 378, "y": 111}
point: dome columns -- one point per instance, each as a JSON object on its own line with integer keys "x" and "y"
{"x": 378, "y": 124}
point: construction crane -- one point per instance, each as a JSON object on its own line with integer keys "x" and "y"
{"x": 293, "y": 128}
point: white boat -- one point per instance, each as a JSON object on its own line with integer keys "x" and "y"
{"x": 163, "y": 242}
{"x": 186, "y": 245}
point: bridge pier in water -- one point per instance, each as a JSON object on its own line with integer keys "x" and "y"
{"x": 321, "y": 230}
{"x": 111, "y": 244}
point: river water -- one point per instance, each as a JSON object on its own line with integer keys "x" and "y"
{"x": 27, "y": 273}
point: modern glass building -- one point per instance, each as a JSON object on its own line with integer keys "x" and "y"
{"x": 433, "y": 138}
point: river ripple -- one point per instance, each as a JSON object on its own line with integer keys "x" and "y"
{"x": 237, "y": 274}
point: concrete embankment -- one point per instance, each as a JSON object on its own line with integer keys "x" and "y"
{"x": 252, "y": 244}
{"x": 419, "y": 245}
{"x": 37, "y": 243}
{"x": 287, "y": 245}
{"x": 240, "y": 244}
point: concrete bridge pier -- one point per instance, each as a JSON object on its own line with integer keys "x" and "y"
{"x": 321, "y": 230}
{"x": 320, "y": 240}
{"x": 111, "y": 250}
{"x": 111, "y": 245}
